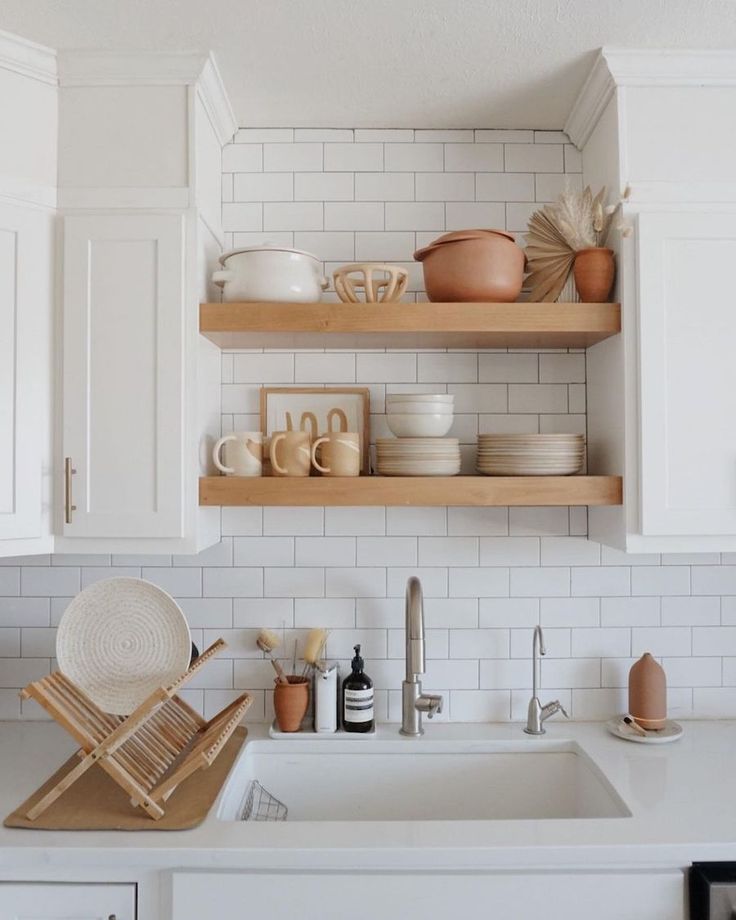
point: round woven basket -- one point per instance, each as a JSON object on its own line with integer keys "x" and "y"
{"x": 120, "y": 639}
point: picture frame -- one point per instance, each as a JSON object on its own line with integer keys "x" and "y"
{"x": 354, "y": 402}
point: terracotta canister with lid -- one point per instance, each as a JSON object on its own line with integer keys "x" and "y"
{"x": 472, "y": 266}
{"x": 648, "y": 693}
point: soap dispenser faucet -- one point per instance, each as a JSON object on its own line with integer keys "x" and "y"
{"x": 538, "y": 714}
{"x": 413, "y": 701}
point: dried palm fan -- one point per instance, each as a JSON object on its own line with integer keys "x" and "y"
{"x": 549, "y": 256}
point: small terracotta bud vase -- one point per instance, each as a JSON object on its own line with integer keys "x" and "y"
{"x": 290, "y": 702}
{"x": 594, "y": 271}
{"x": 648, "y": 693}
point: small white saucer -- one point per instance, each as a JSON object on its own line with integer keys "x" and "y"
{"x": 671, "y": 732}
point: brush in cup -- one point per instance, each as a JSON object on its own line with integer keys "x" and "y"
{"x": 267, "y": 641}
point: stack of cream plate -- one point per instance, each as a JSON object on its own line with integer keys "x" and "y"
{"x": 418, "y": 456}
{"x": 530, "y": 454}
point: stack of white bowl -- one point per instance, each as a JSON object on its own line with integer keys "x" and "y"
{"x": 530, "y": 454}
{"x": 419, "y": 421}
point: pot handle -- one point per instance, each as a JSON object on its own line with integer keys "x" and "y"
{"x": 220, "y": 278}
{"x": 324, "y": 283}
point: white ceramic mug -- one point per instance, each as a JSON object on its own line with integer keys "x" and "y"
{"x": 243, "y": 454}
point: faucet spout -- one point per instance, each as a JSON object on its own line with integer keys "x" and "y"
{"x": 413, "y": 701}
{"x": 537, "y": 714}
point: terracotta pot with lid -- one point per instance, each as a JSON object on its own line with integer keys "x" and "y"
{"x": 473, "y": 265}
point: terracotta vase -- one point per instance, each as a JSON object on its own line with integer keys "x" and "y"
{"x": 472, "y": 266}
{"x": 594, "y": 271}
{"x": 648, "y": 693}
{"x": 290, "y": 702}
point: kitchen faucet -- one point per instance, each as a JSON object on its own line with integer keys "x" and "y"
{"x": 537, "y": 713}
{"x": 413, "y": 701}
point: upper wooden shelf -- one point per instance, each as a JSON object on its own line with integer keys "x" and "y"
{"x": 409, "y": 325}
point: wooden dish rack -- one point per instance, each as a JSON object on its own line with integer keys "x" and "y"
{"x": 147, "y": 753}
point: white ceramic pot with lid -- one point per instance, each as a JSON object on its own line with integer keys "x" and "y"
{"x": 270, "y": 273}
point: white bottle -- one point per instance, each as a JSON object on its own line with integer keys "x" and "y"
{"x": 325, "y": 696}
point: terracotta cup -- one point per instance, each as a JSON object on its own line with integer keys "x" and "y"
{"x": 594, "y": 271}
{"x": 340, "y": 454}
{"x": 290, "y": 702}
{"x": 648, "y": 693}
{"x": 290, "y": 453}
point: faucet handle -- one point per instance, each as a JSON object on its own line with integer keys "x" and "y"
{"x": 430, "y": 703}
{"x": 557, "y": 706}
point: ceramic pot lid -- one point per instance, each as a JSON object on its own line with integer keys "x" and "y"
{"x": 266, "y": 247}
{"x": 458, "y": 236}
{"x": 120, "y": 639}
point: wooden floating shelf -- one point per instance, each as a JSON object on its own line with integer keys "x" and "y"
{"x": 409, "y": 325}
{"x": 412, "y": 490}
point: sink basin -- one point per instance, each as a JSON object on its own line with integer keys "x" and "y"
{"x": 423, "y": 780}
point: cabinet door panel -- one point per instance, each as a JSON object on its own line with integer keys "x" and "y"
{"x": 687, "y": 329}
{"x": 66, "y": 902}
{"x": 25, "y": 307}
{"x": 123, "y": 379}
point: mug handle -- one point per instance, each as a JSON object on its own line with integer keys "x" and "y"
{"x": 272, "y": 453}
{"x": 216, "y": 454}
{"x": 315, "y": 445}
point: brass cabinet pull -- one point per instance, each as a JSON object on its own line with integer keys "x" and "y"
{"x": 69, "y": 471}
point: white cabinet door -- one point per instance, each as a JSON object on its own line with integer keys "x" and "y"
{"x": 31, "y": 901}
{"x": 687, "y": 373}
{"x": 123, "y": 384}
{"x": 26, "y": 273}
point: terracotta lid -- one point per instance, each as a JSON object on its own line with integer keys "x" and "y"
{"x": 458, "y": 236}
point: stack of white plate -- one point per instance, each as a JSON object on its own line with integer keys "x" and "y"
{"x": 419, "y": 415}
{"x": 418, "y": 456}
{"x": 530, "y": 454}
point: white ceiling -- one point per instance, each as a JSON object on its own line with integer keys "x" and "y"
{"x": 385, "y": 63}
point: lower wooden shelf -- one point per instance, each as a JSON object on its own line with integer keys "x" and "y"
{"x": 412, "y": 490}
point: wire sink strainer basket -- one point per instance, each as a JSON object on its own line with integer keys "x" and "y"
{"x": 260, "y": 805}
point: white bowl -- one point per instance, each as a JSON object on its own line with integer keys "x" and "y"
{"x": 419, "y": 426}
{"x": 418, "y": 409}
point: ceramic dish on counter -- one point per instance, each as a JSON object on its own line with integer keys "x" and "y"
{"x": 671, "y": 732}
{"x": 120, "y": 639}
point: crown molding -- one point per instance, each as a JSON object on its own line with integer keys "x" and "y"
{"x": 28, "y": 58}
{"x": 105, "y": 68}
{"x": 592, "y": 99}
{"x": 665, "y": 67}
{"x": 211, "y": 91}
{"x": 655, "y": 67}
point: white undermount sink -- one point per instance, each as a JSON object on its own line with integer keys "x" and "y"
{"x": 422, "y": 780}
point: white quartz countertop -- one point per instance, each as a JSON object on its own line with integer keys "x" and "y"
{"x": 681, "y": 797}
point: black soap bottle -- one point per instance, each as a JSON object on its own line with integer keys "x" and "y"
{"x": 357, "y": 698}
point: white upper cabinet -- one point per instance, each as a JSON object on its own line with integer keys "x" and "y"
{"x": 140, "y": 396}
{"x": 687, "y": 333}
{"x": 28, "y": 108}
{"x": 662, "y": 396}
{"x": 123, "y": 392}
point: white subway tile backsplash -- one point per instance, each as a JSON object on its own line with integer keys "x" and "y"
{"x": 263, "y": 186}
{"x": 488, "y": 578}
{"x": 241, "y": 158}
{"x": 545, "y": 158}
{"x": 355, "y": 215}
{"x": 462, "y": 214}
{"x": 412, "y": 215}
{"x": 384, "y": 186}
{"x": 506, "y": 551}
{"x": 291, "y": 157}
{"x": 414, "y": 157}
{"x": 444, "y": 186}
{"x": 361, "y": 157}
